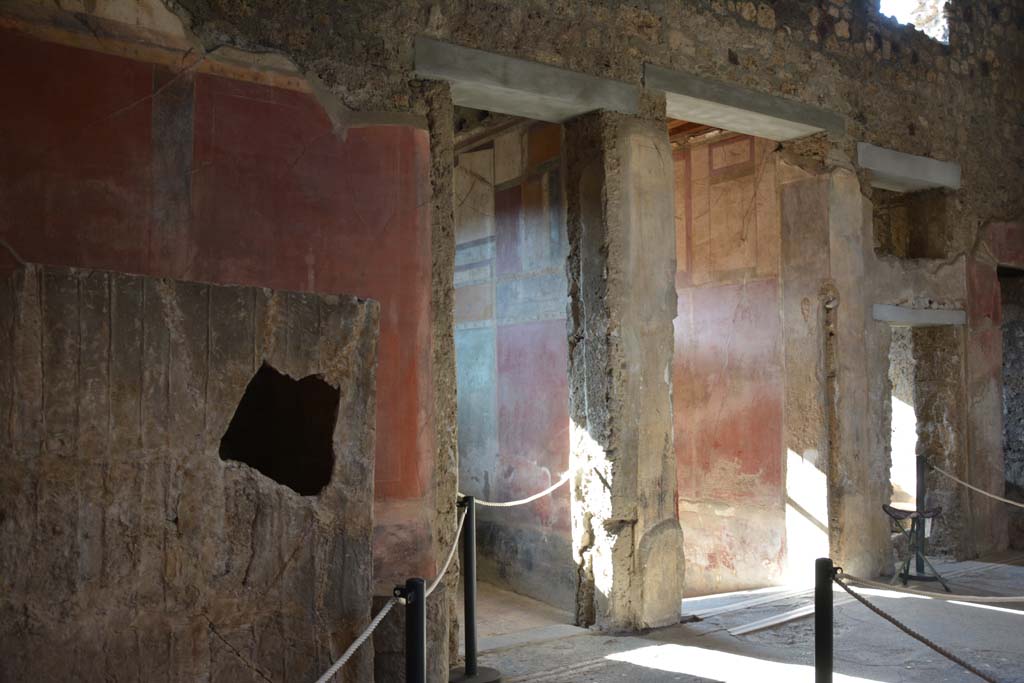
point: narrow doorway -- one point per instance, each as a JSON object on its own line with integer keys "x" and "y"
{"x": 512, "y": 365}
{"x": 902, "y": 420}
{"x": 1011, "y": 287}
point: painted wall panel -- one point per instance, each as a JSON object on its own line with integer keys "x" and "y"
{"x": 727, "y": 370}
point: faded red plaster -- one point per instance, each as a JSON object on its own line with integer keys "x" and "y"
{"x": 1006, "y": 241}
{"x": 533, "y": 414}
{"x": 75, "y": 135}
{"x": 985, "y": 305}
{"x": 728, "y": 378}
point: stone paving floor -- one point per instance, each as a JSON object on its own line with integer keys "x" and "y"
{"x": 531, "y": 642}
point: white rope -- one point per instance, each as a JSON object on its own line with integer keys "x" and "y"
{"x": 329, "y": 674}
{"x": 523, "y": 501}
{"x": 951, "y": 597}
{"x": 975, "y": 488}
{"x": 451, "y": 555}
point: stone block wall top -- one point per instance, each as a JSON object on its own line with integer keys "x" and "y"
{"x": 733, "y": 107}
{"x": 902, "y": 172}
{"x": 918, "y": 317}
{"x": 486, "y": 80}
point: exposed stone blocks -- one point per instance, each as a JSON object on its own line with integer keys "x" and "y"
{"x": 128, "y": 549}
{"x": 941, "y": 419}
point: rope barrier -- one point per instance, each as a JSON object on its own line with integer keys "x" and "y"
{"x": 975, "y": 488}
{"x": 914, "y": 634}
{"x": 329, "y": 674}
{"x": 523, "y": 501}
{"x": 981, "y": 599}
{"x": 451, "y": 554}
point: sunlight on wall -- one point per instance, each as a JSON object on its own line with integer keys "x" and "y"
{"x": 806, "y": 516}
{"x": 721, "y": 666}
{"x": 586, "y": 456}
{"x": 927, "y": 15}
{"x": 903, "y": 472}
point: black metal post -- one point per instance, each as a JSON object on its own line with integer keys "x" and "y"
{"x": 922, "y": 472}
{"x": 415, "y": 631}
{"x": 469, "y": 581}
{"x": 471, "y": 672}
{"x": 823, "y": 571}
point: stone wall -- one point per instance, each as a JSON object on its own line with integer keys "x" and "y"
{"x": 938, "y": 387}
{"x": 842, "y": 56}
{"x": 129, "y": 549}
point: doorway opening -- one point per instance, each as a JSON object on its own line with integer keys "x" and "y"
{"x": 512, "y": 358}
{"x": 728, "y": 370}
{"x": 902, "y": 420}
{"x": 1011, "y": 287}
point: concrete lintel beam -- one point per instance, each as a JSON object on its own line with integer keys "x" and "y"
{"x": 738, "y": 109}
{"x": 902, "y": 172}
{"x": 484, "y": 80}
{"x": 917, "y": 317}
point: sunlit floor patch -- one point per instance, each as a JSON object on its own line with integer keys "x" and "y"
{"x": 721, "y": 666}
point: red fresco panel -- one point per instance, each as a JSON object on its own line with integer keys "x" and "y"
{"x": 727, "y": 371}
{"x": 75, "y": 160}
{"x": 533, "y": 415}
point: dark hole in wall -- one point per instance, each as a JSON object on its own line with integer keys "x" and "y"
{"x": 284, "y": 428}
{"x": 912, "y": 224}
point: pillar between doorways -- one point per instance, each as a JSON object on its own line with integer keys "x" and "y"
{"x": 627, "y": 541}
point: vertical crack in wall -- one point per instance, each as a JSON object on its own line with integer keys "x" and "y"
{"x": 829, "y": 298}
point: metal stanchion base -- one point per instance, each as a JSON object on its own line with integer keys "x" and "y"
{"x": 483, "y": 674}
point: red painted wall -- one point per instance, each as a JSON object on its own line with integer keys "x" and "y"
{"x": 727, "y": 371}
{"x": 117, "y": 164}
{"x": 984, "y": 347}
{"x": 729, "y": 422}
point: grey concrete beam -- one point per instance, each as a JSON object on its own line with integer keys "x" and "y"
{"x": 902, "y": 172}
{"x": 738, "y": 109}
{"x": 484, "y": 80}
{"x": 917, "y": 317}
